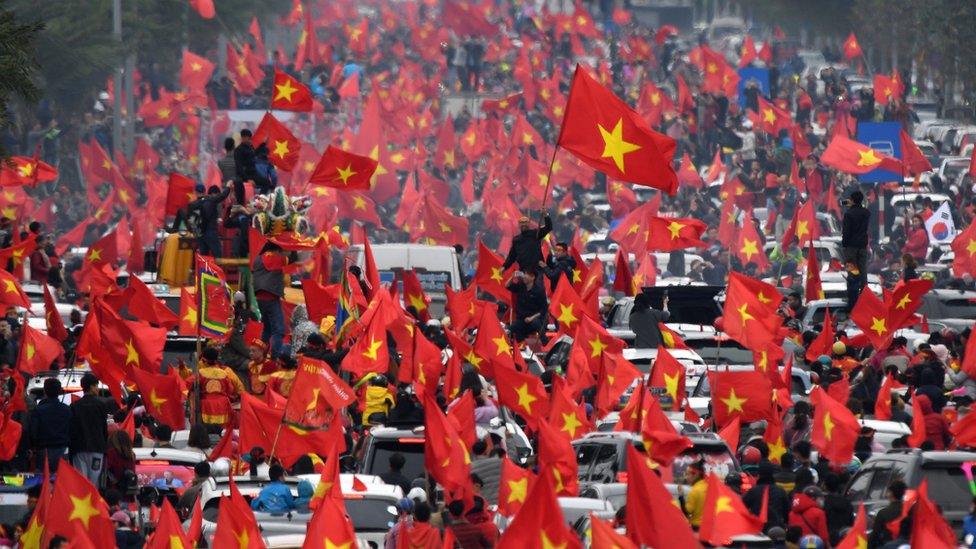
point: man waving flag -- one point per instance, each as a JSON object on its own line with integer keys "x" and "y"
{"x": 604, "y": 132}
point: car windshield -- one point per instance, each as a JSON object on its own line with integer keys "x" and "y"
{"x": 703, "y": 389}
{"x": 371, "y": 514}
{"x": 384, "y": 448}
{"x": 716, "y": 352}
{"x": 717, "y": 459}
{"x": 948, "y": 487}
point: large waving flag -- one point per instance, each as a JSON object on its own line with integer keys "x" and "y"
{"x": 216, "y": 312}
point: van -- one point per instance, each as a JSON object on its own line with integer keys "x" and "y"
{"x": 436, "y": 267}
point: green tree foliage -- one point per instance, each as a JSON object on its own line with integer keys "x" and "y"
{"x": 17, "y": 64}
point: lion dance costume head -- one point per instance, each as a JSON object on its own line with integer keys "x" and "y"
{"x": 277, "y": 213}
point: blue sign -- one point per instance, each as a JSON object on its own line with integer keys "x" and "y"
{"x": 759, "y": 75}
{"x": 884, "y": 137}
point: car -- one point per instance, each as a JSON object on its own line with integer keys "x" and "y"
{"x": 383, "y": 441}
{"x": 13, "y": 495}
{"x": 372, "y": 511}
{"x": 153, "y": 463}
{"x": 701, "y": 396}
{"x": 436, "y": 266}
{"x": 608, "y": 423}
{"x": 644, "y": 359}
{"x": 886, "y": 431}
{"x": 692, "y": 309}
{"x": 601, "y": 457}
{"x": 70, "y": 384}
{"x": 718, "y": 348}
{"x": 948, "y": 486}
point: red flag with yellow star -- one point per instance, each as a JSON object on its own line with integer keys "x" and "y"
{"x": 289, "y": 94}
{"x": 37, "y": 351}
{"x": 773, "y": 437}
{"x": 444, "y": 157}
{"x": 771, "y": 118}
{"x": 447, "y": 459}
{"x": 54, "y": 322}
{"x": 849, "y": 156}
{"x": 522, "y": 393}
{"x": 25, "y": 170}
{"x": 283, "y": 146}
{"x": 746, "y": 394}
{"x": 12, "y": 294}
{"x": 835, "y": 428}
{"x": 669, "y": 374}
{"x": 964, "y": 251}
{"x": 750, "y": 315}
{"x": 871, "y": 316}
{"x": 558, "y": 459}
{"x": 513, "y": 486}
{"x": 813, "y": 287}
{"x": 180, "y": 191}
{"x": 539, "y": 524}
{"x": 674, "y": 233}
{"x": 188, "y": 313}
{"x": 370, "y": 353}
{"x": 316, "y": 390}
{"x": 857, "y": 535}
{"x": 196, "y": 71}
{"x": 75, "y": 503}
{"x": 343, "y": 170}
{"x": 440, "y": 225}
{"x": 162, "y": 395}
{"x": 658, "y": 433}
{"x": 236, "y": 526}
{"x": 623, "y": 280}
{"x": 144, "y": 305}
{"x": 169, "y": 533}
{"x": 17, "y": 253}
{"x": 804, "y": 227}
{"x": 566, "y": 306}
{"x": 330, "y": 526}
{"x": 414, "y": 295}
{"x": 851, "y": 47}
{"x": 595, "y": 340}
{"x": 565, "y": 414}
{"x": 904, "y": 300}
{"x": 653, "y": 519}
{"x": 653, "y": 104}
{"x": 725, "y": 516}
{"x": 602, "y": 131}
{"x": 490, "y": 276}
{"x": 670, "y": 338}
{"x": 688, "y": 174}
{"x": 749, "y": 245}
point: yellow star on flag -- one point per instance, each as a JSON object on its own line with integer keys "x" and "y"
{"x": 675, "y": 228}
{"x": 82, "y": 509}
{"x": 749, "y": 248}
{"x": 329, "y": 544}
{"x": 473, "y": 359}
{"x": 566, "y": 315}
{"x": 769, "y": 115}
{"x": 496, "y": 274}
{"x": 655, "y": 99}
{"x": 548, "y": 544}
{"x": 94, "y": 254}
{"x": 280, "y": 148}
{"x": 802, "y": 229}
{"x": 525, "y": 399}
{"x": 445, "y": 228}
{"x": 828, "y": 424}
{"x": 878, "y": 325}
{"x": 614, "y": 145}
{"x": 345, "y": 174}
{"x": 358, "y": 203}
{"x": 776, "y": 449}
{"x": 31, "y": 538}
{"x": 723, "y": 505}
{"x": 744, "y": 313}
{"x": 243, "y": 540}
{"x": 596, "y": 347}
{"x": 417, "y": 302}
{"x": 517, "y": 490}
{"x": 156, "y": 400}
{"x": 904, "y": 302}
{"x": 867, "y": 158}
{"x": 10, "y": 286}
{"x": 285, "y": 91}
{"x": 374, "y": 347}
{"x": 571, "y": 424}
{"x": 633, "y": 229}
{"x": 26, "y": 169}
{"x": 762, "y": 298}
{"x": 733, "y": 403}
{"x": 31, "y": 350}
{"x": 671, "y": 385}
{"x": 501, "y": 345}
{"x": 131, "y": 354}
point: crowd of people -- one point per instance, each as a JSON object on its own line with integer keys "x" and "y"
{"x": 386, "y": 96}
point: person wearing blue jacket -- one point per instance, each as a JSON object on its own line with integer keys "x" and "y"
{"x": 276, "y": 496}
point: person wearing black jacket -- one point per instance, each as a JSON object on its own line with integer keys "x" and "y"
{"x": 895, "y": 493}
{"x": 49, "y": 427}
{"x": 89, "y": 431}
{"x": 560, "y": 263}
{"x": 778, "y": 510}
{"x": 837, "y": 507}
{"x": 244, "y": 158}
{"x": 854, "y": 236}
{"x": 530, "y": 305}
{"x": 526, "y": 247}
{"x": 208, "y": 211}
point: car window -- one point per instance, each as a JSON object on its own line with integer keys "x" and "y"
{"x": 879, "y": 482}
{"x": 371, "y": 514}
{"x": 605, "y": 466}
{"x": 859, "y": 486}
{"x": 585, "y": 456}
{"x": 712, "y": 352}
{"x": 948, "y": 487}
{"x": 384, "y": 448}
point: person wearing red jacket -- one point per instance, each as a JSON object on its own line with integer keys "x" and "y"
{"x": 917, "y": 244}
{"x": 936, "y": 426}
{"x": 808, "y": 513}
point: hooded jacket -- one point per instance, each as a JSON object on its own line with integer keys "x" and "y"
{"x": 808, "y": 516}
{"x": 936, "y": 426}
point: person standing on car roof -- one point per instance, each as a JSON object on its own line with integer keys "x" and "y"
{"x": 526, "y": 247}
{"x": 49, "y": 426}
{"x": 559, "y": 264}
{"x": 644, "y": 321}
{"x": 395, "y": 475}
{"x": 89, "y": 431}
{"x": 854, "y": 236}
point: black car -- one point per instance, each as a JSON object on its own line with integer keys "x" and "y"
{"x": 947, "y": 483}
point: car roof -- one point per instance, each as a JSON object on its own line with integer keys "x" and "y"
{"x": 385, "y": 432}
{"x": 928, "y": 457}
{"x": 169, "y": 454}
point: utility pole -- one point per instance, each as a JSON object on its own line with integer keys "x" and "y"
{"x": 117, "y": 82}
